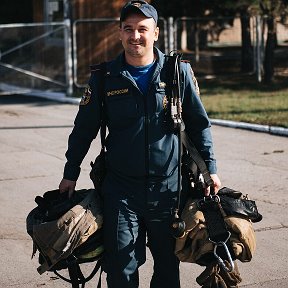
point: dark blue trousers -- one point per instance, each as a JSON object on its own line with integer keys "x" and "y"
{"x": 136, "y": 212}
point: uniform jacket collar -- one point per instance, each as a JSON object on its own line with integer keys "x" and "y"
{"x": 117, "y": 66}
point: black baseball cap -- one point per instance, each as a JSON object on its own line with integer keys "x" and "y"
{"x": 139, "y": 6}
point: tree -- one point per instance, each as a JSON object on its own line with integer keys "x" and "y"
{"x": 270, "y": 9}
{"x": 243, "y": 9}
{"x": 216, "y": 9}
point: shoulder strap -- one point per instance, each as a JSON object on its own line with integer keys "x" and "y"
{"x": 196, "y": 157}
{"x": 101, "y": 86}
{"x": 173, "y": 63}
{"x": 174, "y": 96}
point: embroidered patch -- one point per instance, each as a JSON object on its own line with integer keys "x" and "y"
{"x": 118, "y": 92}
{"x": 137, "y": 4}
{"x": 165, "y": 102}
{"x": 86, "y": 96}
{"x": 162, "y": 84}
{"x": 195, "y": 82}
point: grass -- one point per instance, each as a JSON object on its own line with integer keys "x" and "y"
{"x": 243, "y": 99}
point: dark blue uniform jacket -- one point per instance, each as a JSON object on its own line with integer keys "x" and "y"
{"x": 140, "y": 141}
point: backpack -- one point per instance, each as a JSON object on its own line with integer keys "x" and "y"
{"x": 67, "y": 232}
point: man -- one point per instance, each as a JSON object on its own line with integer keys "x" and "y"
{"x": 140, "y": 187}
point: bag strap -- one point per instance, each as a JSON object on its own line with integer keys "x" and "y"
{"x": 101, "y": 85}
{"x": 76, "y": 276}
{"x": 210, "y": 206}
{"x": 217, "y": 231}
{"x": 174, "y": 100}
{"x": 197, "y": 158}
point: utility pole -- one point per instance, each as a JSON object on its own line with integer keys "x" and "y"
{"x": 68, "y": 47}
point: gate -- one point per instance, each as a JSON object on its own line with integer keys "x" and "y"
{"x": 35, "y": 57}
{"x": 54, "y": 57}
{"x": 97, "y": 40}
{"x": 51, "y": 57}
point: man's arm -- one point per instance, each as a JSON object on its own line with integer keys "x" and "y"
{"x": 86, "y": 127}
{"x": 197, "y": 124}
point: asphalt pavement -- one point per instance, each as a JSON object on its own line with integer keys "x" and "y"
{"x": 33, "y": 141}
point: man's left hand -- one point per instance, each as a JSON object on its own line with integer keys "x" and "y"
{"x": 216, "y": 184}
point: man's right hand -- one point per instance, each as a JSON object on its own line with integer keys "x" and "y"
{"x": 67, "y": 185}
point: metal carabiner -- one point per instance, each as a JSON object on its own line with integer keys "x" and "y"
{"x": 208, "y": 199}
{"x": 220, "y": 260}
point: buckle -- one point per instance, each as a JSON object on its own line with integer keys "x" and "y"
{"x": 219, "y": 259}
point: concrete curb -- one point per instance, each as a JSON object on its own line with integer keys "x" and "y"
{"x": 58, "y": 97}
{"x": 274, "y": 130}
{"x": 53, "y": 96}
{"x": 61, "y": 97}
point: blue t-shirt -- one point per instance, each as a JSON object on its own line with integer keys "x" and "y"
{"x": 142, "y": 75}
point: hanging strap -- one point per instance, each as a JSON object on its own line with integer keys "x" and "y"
{"x": 173, "y": 64}
{"x": 211, "y": 208}
{"x": 101, "y": 85}
{"x": 76, "y": 276}
{"x": 217, "y": 231}
{"x": 210, "y": 205}
{"x": 197, "y": 158}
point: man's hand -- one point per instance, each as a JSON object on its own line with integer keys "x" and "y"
{"x": 67, "y": 185}
{"x": 217, "y": 185}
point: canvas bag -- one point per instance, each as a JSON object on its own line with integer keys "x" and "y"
{"x": 195, "y": 246}
{"x": 57, "y": 239}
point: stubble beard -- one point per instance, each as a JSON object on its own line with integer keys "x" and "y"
{"x": 139, "y": 52}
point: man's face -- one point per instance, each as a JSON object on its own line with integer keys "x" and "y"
{"x": 138, "y": 35}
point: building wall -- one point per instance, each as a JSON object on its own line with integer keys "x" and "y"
{"x": 38, "y": 11}
{"x": 96, "y": 8}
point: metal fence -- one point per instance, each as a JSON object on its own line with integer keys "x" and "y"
{"x": 55, "y": 57}
{"x": 214, "y": 45}
{"x": 97, "y": 40}
{"x": 35, "y": 57}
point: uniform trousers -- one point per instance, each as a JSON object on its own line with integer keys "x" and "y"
{"x": 137, "y": 214}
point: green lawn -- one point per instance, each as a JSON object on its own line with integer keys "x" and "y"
{"x": 246, "y": 100}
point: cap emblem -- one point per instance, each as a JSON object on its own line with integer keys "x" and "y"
{"x": 137, "y": 4}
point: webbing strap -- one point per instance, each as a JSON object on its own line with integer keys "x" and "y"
{"x": 214, "y": 220}
{"x": 76, "y": 275}
{"x": 73, "y": 270}
{"x": 189, "y": 145}
{"x": 217, "y": 231}
{"x": 102, "y": 103}
{"x": 173, "y": 77}
{"x": 210, "y": 207}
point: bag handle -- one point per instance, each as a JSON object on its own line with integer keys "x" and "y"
{"x": 197, "y": 158}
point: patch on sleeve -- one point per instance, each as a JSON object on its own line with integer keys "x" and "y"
{"x": 162, "y": 85}
{"x": 195, "y": 82}
{"x": 165, "y": 103}
{"x": 86, "y": 96}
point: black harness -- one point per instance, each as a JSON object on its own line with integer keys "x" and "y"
{"x": 209, "y": 205}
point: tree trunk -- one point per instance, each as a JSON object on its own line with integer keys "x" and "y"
{"x": 269, "y": 51}
{"x": 246, "y": 48}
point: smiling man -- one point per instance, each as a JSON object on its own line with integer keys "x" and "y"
{"x": 140, "y": 187}
{"x": 138, "y": 34}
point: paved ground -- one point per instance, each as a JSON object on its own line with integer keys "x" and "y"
{"x": 33, "y": 140}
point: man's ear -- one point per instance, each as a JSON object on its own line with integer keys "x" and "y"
{"x": 156, "y": 34}
{"x": 119, "y": 33}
